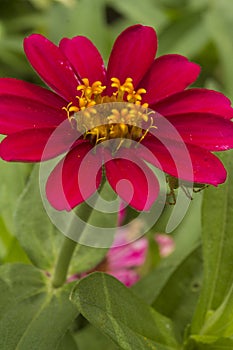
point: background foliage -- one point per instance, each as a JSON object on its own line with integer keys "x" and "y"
{"x": 184, "y": 301}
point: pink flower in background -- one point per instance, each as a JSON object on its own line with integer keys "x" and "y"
{"x": 166, "y": 244}
{"x": 123, "y": 261}
{"x": 127, "y": 256}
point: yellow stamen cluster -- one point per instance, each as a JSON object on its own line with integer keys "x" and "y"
{"x": 132, "y": 95}
{"x": 114, "y": 121}
{"x": 90, "y": 96}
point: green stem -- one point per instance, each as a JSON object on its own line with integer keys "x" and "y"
{"x": 68, "y": 247}
{"x": 63, "y": 262}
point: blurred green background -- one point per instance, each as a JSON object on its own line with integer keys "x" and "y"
{"x": 199, "y": 29}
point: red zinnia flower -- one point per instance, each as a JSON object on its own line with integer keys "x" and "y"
{"x": 29, "y": 115}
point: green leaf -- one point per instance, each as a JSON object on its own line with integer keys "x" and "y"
{"x": 92, "y": 339}
{"x": 208, "y": 343}
{"x": 86, "y": 258}
{"x": 186, "y": 36}
{"x": 217, "y": 241}
{"x": 40, "y": 4}
{"x": 33, "y": 315}
{"x": 121, "y": 315}
{"x": 5, "y": 239}
{"x": 178, "y": 298}
{"x": 36, "y": 234}
{"x": 40, "y": 239}
{"x": 219, "y": 24}
{"x": 147, "y": 11}
{"x": 13, "y": 177}
{"x": 68, "y": 343}
{"x": 15, "y": 253}
{"x": 220, "y": 322}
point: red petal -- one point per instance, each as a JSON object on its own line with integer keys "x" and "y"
{"x": 195, "y": 100}
{"x": 52, "y": 66}
{"x": 205, "y": 130}
{"x": 19, "y": 113}
{"x": 134, "y": 182}
{"x": 84, "y": 58}
{"x": 168, "y": 75}
{"x": 29, "y": 145}
{"x": 132, "y": 54}
{"x": 67, "y": 186}
{"x": 20, "y": 88}
{"x": 173, "y": 159}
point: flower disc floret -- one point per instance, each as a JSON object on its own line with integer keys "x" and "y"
{"x": 121, "y": 117}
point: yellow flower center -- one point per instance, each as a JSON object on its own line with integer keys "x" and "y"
{"x": 113, "y": 120}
